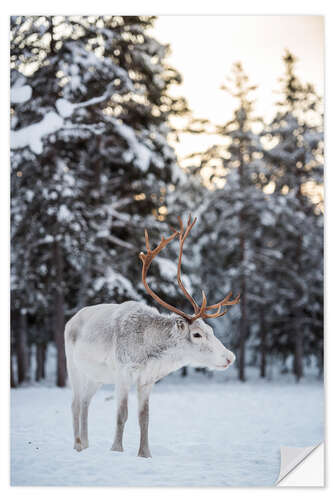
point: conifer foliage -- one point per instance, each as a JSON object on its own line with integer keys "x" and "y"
{"x": 90, "y": 164}
{"x": 294, "y": 158}
{"x": 263, "y": 229}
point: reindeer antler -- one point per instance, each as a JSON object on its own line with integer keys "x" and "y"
{"x": 199, "y": 311}
{"x": 182, "y": 237}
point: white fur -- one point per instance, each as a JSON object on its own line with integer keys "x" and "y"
{"x": 131, "y": 343}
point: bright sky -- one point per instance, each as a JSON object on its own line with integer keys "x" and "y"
{"x": 205, "y": 47}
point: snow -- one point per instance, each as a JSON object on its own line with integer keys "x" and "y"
{"x": 168, "y": 270}
{"x": 137, "y": 151}
{"x": 64, "y": 215}
{"x": 203, "y": 432}
{"x": 32, "y": 135}
{"x": 18, "y": 95}
{"x": 116, "y": 281}
{"x": 267, "y": 219}
{"x": 64, "y": 107}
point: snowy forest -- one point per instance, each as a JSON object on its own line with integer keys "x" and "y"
{"x": 93, "y": 164}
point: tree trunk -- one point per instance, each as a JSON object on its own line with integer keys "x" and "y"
{"x": 40, "y": 362}
{"x": 298, "y": 330}
{"x": 243, "y": 324}
{"x": 59, "y": 319}
{"x": 320, "y": 364}
{"x": 44, "y": 350}
{"x": 22, "y": 351}
{"x": 52, "y": 40}
{"x": 263, "y": 351}
{"x": 12, "y": 378}
{"x": 298, "y": 356}
{"x": 243, "y": 327}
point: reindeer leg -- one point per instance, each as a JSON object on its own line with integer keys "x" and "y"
{"x": 76, "y": 422}
{"x": 143, "y": 406}
{"x": 90, "y": 388}
{"x": 122, "y": 390}
{"x": 74, "y": 379}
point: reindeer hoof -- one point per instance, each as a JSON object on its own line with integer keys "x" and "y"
{"x": 144, "y": 454}
{"x": 117, "y": 447}
{"x": 78, "y": 445}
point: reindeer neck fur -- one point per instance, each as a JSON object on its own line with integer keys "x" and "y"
{"x": 155, "y": 347}
{"x": 164, "y": 356}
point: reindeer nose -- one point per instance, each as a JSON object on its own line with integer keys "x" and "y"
{"x": 231, "y": 358}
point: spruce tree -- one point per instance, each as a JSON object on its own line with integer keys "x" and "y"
{"x": 237, "y": 213}
{"x": 294, "y": 155}
{"x": 90, "y": 160}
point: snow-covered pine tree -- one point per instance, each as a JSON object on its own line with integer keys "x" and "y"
{"x": 90, "y": 160}
{"x": 237, "y": 214}
{"x": 295, "y": 156}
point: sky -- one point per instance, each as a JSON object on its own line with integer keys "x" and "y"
{"x": 203, "y": 49}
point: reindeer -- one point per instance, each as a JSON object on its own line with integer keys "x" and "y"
{"x": 132, "y": 343}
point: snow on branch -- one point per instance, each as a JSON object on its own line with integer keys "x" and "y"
{"x": 117, "y": 241}
{"x": 116, "y": 281}
{"x": 66, "y": 108}
{"x": 18, "y": 95}
{"x": 139, "y": 153}
{"x": 168, "y": 270}
{"x": 119, "y": 215}
{"x": 32, "y": 135}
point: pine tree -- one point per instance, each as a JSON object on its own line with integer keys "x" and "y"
{"x": 237, "y": 213}
{"x": 90, "y": 160}
{"x": 295, "y": 157}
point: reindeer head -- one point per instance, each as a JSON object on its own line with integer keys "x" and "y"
{"x": 201, "y": 347}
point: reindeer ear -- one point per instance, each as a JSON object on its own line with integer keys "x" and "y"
{"x": 181, "y": 324}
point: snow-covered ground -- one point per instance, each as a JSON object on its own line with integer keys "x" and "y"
{"x": 203, "y": 432}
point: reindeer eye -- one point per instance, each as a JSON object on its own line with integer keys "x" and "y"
{"x": 197, "y": 335}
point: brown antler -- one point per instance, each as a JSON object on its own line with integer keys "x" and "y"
{"x": 224, "y": 302}
{"x": 146, "y": 261}
{"x": 199, "y": 312}
{"x": 182, "y": 238}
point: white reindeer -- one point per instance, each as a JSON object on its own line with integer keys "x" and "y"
{"x": 132, "y": 343}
